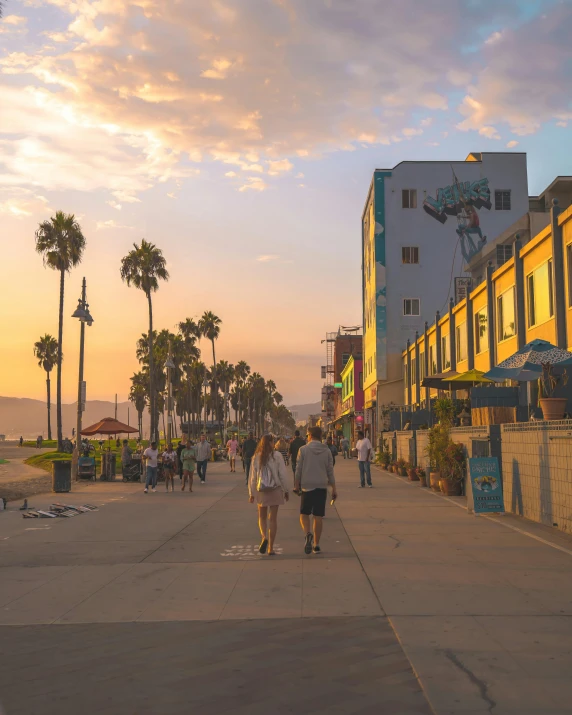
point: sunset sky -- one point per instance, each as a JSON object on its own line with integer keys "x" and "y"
{"x": 240, "y": 136}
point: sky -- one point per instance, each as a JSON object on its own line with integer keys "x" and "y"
{"x": 240, "y": 136}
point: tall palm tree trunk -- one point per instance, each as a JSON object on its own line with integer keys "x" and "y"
{"x": 59, "y": 365}
{"x": 215, "y": 384}
{"x": 153, "y": 433}
{"x": 49, "y": 393}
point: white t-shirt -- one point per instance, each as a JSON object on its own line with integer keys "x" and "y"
{"x": 363, "y": 448}
{"x": 232, "y": 446}
{"x": 151, "y": 455}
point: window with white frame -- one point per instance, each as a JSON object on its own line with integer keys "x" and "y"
{"x": 411, "y": 306}
{"x": 502, "y": 200}
{"x": 504, "y": 253}
{"x": 461, "y": 341}
{"x": 445, "y": 352}
{"x": 540, "y": 294}
{"x": 481, "y": 330}
{"x": 409, "y": 198}
{"x": 506, "y": 318}
{"x": 410, "y": 254}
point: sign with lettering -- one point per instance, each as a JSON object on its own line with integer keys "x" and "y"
{"x": 463, "y": 286}
{"x": 485, "y": 485}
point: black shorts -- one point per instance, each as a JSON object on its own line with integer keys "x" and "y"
{"x": 314, "y": 502}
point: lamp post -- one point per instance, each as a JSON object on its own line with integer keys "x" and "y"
{"x": 205, "y": 385}
{"x": 169, "y": 364}
{"x": 84, "y": 316}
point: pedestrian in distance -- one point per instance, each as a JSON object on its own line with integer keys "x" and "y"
{"x": 180, "y": 447}
{"x": 232, "y": 449}
{"x": 314, "y": 472}
{"x": 268, "y": 485}
{"x": 189, "y": 462}
{"x": 203, "y": 455}
{"x": 333, "y": 449}
{"x": 345, "y": 445}
{"x": 248, "y": 449}
{"x": 282, "y": 447}
{"x": 21, "y": 441}
{"x": 294, "y": 448}
{"x": 169, "y": 459}
{"x": 151, "y": 455}
{"x": 364, "y": 450}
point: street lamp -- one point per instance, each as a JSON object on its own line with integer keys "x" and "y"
{"x": 85, "y": 317}
{"x": 170, "y": 365}
{"x": 205, "y": 385}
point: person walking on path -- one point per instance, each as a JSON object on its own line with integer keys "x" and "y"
{"x": 248, "y": 449}
{"x": 268, "y": 484}
{"x": 203, "y": 455}
{"x": 282, "y": 447}
{"x": 151, "y": 454}
{"x": 364, "y": 450}
{"x": 345, "y": 445}
{"x": 294, "y": 448}
{"x": 169, "y": 459}
{"x": 180, "y": 447}
{"x": 314, "y": 471}
{"x": 232, "y": 449}
{"x": 189, "y": 461}
{"x": 333, "y": 449}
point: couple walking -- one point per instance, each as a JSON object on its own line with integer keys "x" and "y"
{"x": 268, "y": 485}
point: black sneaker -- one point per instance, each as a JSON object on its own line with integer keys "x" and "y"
{"x": 263, "y": 546}
{"x": 308, "y": 544}
{"x": 317, "y": 549}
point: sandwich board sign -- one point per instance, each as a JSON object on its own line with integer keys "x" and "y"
{"x": 485, "y": 486}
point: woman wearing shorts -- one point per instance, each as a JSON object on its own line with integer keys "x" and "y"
{"x": 268, "y": 485}
{"x": 169, "y": 458}
{"x": 189, "y": 457}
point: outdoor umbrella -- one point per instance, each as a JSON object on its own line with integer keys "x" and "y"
{"x": 109, "y": 426}
{"x": 469, "y": 379}
{"x": 526, "y": 364}
{"x": 441, "y": 380}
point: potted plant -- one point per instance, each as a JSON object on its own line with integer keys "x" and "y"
{"x": 553, "y": 408}
{"x": 412, "y": 473}
{"x": 453, "y": 470}
{"x": 439, "y": 439}
{"x": 384, "y": 460}
{"x": 421, "y": 476}
{"x": 401, "y": 467}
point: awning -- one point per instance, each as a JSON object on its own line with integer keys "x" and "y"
{"x": 108, "y": 425}
{"x": 441, "y": 380}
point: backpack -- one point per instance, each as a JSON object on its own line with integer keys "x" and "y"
{"x": 266, "y": 481}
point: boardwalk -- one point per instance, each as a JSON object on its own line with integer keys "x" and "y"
{"x": 159, "y": 603}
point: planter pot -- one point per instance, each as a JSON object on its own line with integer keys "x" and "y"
{"x": 412, "y": 475}
{"x": 423, "y": 481}
{"x": 434, "y": 481}
{"x": 451, "y": 488}
{"x": 402, "y": 472}
{"x": 553, "y": 408}
{"x": 393, "y": 469}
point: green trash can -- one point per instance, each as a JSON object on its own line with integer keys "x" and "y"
{"x": 61, "y": 476}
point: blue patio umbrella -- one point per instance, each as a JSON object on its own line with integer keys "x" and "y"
{"x": 526, "y": 364}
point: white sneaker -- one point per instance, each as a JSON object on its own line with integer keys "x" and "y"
{"x": 145, "y": 490}
{"x": 153, "y": 490}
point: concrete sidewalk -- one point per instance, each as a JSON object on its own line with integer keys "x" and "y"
{"x": 157, "y": 595}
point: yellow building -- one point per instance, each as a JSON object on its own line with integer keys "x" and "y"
{"x": 528, "y": 297}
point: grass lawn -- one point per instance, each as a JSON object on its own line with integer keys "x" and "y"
{"x": 45, "y": 459}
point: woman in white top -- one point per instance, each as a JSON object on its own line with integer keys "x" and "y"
{"x": 268, "y": 482}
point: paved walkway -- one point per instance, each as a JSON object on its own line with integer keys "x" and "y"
{"x": 159, "y": 603}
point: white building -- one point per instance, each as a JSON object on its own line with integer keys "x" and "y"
{"x": 422, "y": 221}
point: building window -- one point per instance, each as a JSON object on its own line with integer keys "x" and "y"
{"x": 409, "y": 198}
{"x": 345, "y": 358}
{"x": 445, "y": 352}
{"x": 361, "y": 381}
{"x": 461, "y": 342}
{"x": 540, "y": 297}
{"x": 502, "y": 200}
{"x": 569, "y": 262}
{"x": 432, "y": 361}
{"x": 410, "y": 254}
{"x": 411, "y": 306}
{"x": 421, "y": 367}
{"x": 506, "y": 322}
{"x": 481, "y": 330}
{"x": 504, "y": 253}
{"x": 413, "y": 371}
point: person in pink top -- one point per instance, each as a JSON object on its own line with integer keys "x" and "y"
{"x": 232, "y": 449}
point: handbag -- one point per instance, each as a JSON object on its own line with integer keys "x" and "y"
{"x": 266, "y": 481}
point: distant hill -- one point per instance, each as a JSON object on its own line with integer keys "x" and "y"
{"x": 22, "y": 416}
{"x": 301, "y": 412}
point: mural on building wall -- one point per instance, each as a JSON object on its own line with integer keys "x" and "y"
{"x": 380, "y": 278}
{"x": 462, "y": 199}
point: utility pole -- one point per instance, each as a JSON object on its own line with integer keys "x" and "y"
{"x": 169, "y": 364}
{"x": 116, "y": 405}
{"x": 84, "y": 316}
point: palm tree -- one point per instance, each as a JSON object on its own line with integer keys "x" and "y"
{"x": 226, "y": 373}
{"x": 138, "y": 396}
{"x": 143, "y": 267}
{"x": 46, "y": 350}
{"x": 241, "y": 372}
{"x": 209, "y": 325}
{"x": 62, "y": 243}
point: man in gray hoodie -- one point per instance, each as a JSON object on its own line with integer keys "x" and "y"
{"x": 314, "y": 471}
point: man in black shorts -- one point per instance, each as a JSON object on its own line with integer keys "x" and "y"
{"x": 314, "y": 471}
{"x": 294, "y": 448}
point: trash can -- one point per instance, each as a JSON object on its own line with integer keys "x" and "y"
{"x": 61, "y": 476}
{"x": 111, "y": 466}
